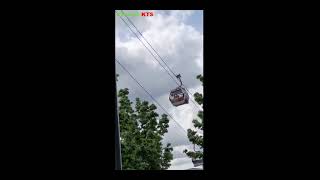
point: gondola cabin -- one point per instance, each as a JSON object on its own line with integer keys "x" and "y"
{"x": 197, "y": 162}
{"x": 179, "y": 96}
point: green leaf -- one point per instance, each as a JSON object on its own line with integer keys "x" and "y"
{"x": 193, "y": 137}
{"x": 141, "y": 132}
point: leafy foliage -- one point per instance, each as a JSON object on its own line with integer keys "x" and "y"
{"x": 141, "y": 132}
{"x": 193, "y": 136}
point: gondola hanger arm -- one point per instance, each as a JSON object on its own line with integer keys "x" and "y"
{"x": 179, "y": 77}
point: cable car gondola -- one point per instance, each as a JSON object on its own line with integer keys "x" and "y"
{"x": 197, "y": 162}
{"x": 179, "y": 96}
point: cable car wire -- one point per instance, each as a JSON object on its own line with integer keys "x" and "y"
{"x": 150, "y": 95}
{"x": 149, "y": 44}
{"x": 181, "y": 133}
{"x": 155, "y": 52}
{"x": 145, "y": 46}
{"x": 152, "y": 48}
{"x": 174, "y": 79}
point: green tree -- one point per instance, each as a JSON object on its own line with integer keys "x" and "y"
{"x": 193, "y": 136}
{"x": 141, "y": 132}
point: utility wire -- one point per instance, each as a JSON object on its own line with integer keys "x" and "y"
{"x": 150, "y": 95}
{"x": 157, "y": 54}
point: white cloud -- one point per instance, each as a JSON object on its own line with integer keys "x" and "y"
{"x": 181, "y": 164}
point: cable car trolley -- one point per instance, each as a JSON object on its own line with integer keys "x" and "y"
{"x": 179, "y": 95}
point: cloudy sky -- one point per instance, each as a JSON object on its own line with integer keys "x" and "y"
{"x": 177, "y": 36}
